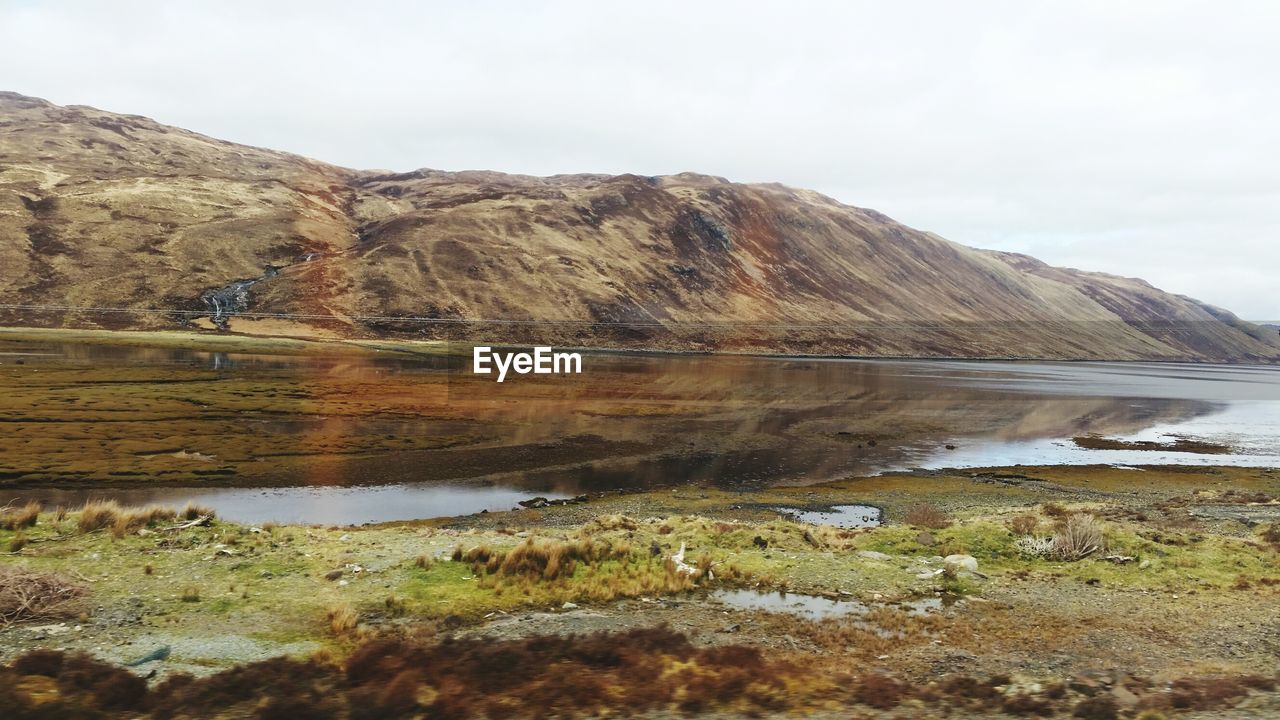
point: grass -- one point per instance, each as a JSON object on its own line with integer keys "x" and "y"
{"x": 273, "y": 580}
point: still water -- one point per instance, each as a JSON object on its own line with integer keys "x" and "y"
{"x": 358, "y": 436}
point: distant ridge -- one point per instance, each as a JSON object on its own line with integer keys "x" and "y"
{"x": 157, "y": 227}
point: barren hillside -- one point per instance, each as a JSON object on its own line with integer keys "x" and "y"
{"x": 117, "y": 211}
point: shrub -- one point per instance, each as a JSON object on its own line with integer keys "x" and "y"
{"x": 1079, "y": 537}
{"x": 1024, "y": 524}
{"x": 32, "y": 595}
{"x": 880, "y": 691}
{"x": 927, "y": 516}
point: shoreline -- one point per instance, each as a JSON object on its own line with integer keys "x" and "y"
{"x": 212, "y": 341}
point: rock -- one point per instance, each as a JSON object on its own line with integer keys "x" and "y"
{"x": 159, "y": 653}
{"x": 950, "y": 447}
{"x": 873, "y": 555}
{"x": 333, "y": 575}
{"x": 1144, "y": 564}
{"x": 266, "y": 574}
{"x": 925, "y": 538}
{"x": 967, "y": 563}
{"x": 569, "y": 606}
{"x": 534, "y": 503}
{"x": 731, "y": 628}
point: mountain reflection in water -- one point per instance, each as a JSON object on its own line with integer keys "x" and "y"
{"x": 81, "y": 418}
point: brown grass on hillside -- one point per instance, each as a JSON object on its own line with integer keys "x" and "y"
{"x": 32, "y": 595}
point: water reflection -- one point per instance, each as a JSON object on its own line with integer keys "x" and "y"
{"x": 80, "y": 415}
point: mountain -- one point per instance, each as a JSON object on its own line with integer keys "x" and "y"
{"x": 160, "y": 227}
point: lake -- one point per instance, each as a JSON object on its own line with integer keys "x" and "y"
{"x": 361, "y": 436}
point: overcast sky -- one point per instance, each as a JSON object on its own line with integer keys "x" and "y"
{"x": 1140, "y": 138}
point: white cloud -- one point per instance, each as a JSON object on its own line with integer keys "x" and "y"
{"x": 1136, "y": 138}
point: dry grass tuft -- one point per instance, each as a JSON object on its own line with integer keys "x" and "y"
{"x": 1079, "y": 537}
{"x": 192, "y": 511}
{"x": 99, "y": 514}
{"x": 927, "y": 516}
{"x": 21, "y": 517}
{"x": 542, "y": 557}
{"x": 33, "y": 595}
{"x": 343, "y": 620}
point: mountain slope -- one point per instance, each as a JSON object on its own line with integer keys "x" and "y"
{"x": 118, "y": 211}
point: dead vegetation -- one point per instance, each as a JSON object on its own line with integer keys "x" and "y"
{"x": 927, "y": 516}
{"x": 32, "y": 595}
{"x": 17, "y": 518}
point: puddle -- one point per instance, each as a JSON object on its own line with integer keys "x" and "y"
{"x": 815, "y": 607}
{"x": 841, "y": 516}
{"x": 807, "y": 606}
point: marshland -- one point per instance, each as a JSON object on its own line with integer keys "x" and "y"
{"x": 357, "y": 530}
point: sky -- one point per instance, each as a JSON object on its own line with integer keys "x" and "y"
{"x": 1137, "y": 138}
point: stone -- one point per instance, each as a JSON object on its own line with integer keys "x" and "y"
{"x": 967, "y": 563}
{"x": 925, "y": 538}
{"x": 333, "y": 575}
{"x": 873, "y": 555}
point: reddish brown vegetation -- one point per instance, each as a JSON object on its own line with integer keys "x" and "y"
{"x": 540, "y": 676}
{"x": 619, "y": 674}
